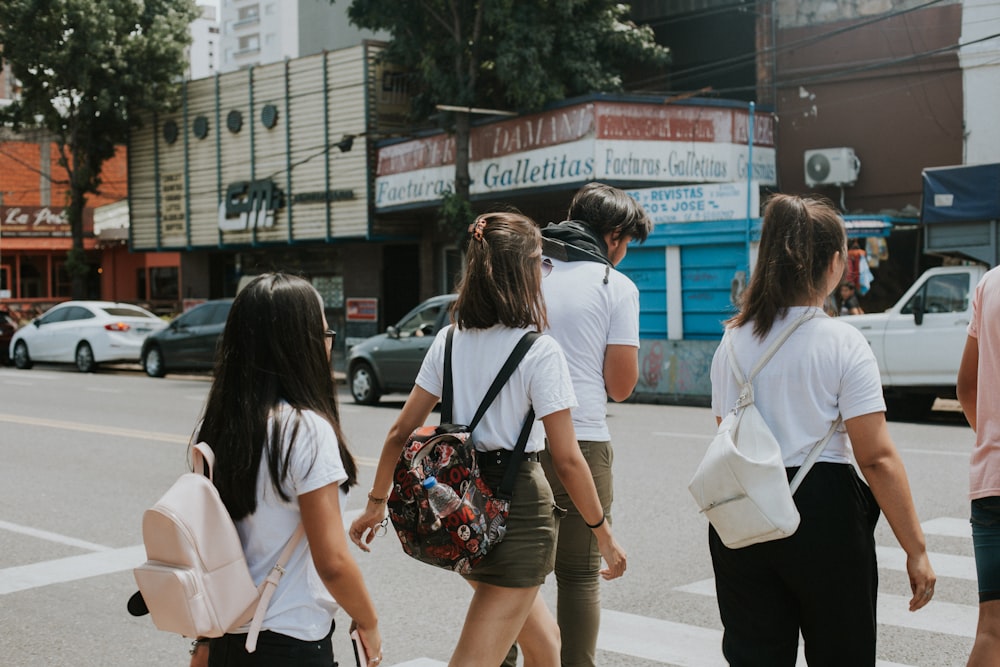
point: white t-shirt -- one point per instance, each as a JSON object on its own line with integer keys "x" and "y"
{"x": 826, "y": 367}
{"x": 585, "y": 316}
{"x": 541, "y": 381}
{"x": 301, "y": 607}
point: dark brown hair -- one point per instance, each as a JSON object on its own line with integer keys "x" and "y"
{"x": 605, "y": 210}
{"x": 273, "y": 349}
{"x": 798, "y": 239}
{"x": 502, "y": 279}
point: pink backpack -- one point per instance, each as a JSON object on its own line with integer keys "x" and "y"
{"x": 196, "y": 581}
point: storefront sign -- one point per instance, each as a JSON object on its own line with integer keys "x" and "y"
{"x": 249, "y": 205}
{"x": 362, "y": 310}
{"x": 616, "y": 141}
{"x": 697, "y": 203}
{"x": 172, "y": 216}
{"x": 40, "y": 221}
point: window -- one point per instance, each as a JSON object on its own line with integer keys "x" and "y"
{"x": 62, "y": 285}
{"x": 163, "y": 283}
{"x": 195, "y": 317}
{"x": 249, "y": 12}
{"x": 53, "y": 316}
{"x": 126, "y": 311}
{"x": 76, "y": 313}
{"x": 249, "y": 43}
{"x": 421, "y": 324}
{"x": 941, "y": 294}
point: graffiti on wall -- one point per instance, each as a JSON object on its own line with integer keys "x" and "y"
{"x": 676, "y": 367}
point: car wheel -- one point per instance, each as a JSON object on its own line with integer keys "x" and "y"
{"x": 85, "y": 358}
{"x": 153, "y": 363}
{"x": 364, "y": 386}
{"x": 22, "y": 359}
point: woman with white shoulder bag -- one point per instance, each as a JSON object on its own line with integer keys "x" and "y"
{"x": 822, "y": 580}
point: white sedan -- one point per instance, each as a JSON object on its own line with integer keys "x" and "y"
{"x": 84, "y": 333}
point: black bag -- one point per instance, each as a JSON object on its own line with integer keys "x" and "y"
{"x": 460, "y": 540}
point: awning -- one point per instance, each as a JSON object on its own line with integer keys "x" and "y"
{"x": 967, "y": 193}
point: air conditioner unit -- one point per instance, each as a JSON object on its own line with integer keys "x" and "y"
{"x": 831, "y": 166}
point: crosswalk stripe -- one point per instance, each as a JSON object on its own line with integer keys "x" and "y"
{"x": 945, "y": 565}
{"x": 52, "y": 537}
{"x": 941, "y": 617}
{"x": 948, "y": 527}
{"x": 24, "y": 577}
{"x": 655, "y": 640}
{"x": 659, "y": 640}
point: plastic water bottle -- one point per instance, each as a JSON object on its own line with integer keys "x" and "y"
{"x": 441, "y": 498}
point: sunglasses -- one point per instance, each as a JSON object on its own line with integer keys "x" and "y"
{"x": 331, "y": 334}
{"x": 546, "y": 266}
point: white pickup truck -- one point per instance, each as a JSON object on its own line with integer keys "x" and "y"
{"x": 919, "y": 341}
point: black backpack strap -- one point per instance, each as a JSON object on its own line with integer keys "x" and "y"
{"x": 527, "y": 340}
{"x": 448, "y": 392}
{"x": 506, "y": 489}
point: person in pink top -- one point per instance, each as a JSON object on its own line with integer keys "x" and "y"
{"x": 978, "y": 388}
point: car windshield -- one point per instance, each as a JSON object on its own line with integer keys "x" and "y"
{"x": 125, "y": 311}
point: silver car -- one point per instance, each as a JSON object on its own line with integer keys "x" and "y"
{"x": 85, "y": 333}
{"x": 389, "y": 362}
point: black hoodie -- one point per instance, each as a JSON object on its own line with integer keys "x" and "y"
{"x": 573, "y": 241}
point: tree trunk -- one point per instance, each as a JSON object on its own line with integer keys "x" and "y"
{"x": 462, "y": 134}
{"x": 76, "y": 261}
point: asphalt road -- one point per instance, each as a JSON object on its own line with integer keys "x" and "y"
{"x": 84, "y": 455}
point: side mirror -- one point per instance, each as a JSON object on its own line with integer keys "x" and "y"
{"x": 918, "y": 310}
{"x": 392, "y": 331}
{"x": 38, "y": 325}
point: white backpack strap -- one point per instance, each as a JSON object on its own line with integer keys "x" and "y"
{"x": 268, "y": 586}
{"x": 200, "y": 455}
{"x": 813, "y": 454}
{"x": 746, "y": 384}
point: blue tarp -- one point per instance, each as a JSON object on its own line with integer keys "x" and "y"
{"x": 967, "y": 193}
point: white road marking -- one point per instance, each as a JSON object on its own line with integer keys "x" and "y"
{"x": 948, "y": 527}
{"x": 945, "y": 565}
{"x": 668, "y": 642}
{"x": 24, "y": 577}
{"x": 52, "y": 537}
{"x": 941, "y": 617}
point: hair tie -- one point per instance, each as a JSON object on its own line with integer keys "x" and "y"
{"x": 477, "y": 227}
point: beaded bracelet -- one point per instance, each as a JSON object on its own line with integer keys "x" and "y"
{"x": 373, "y": 499}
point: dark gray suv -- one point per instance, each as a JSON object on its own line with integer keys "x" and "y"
{"x": 389, "y": 362}
{"x": 188, "y": 342}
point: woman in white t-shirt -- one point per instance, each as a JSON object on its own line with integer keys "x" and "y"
{"x": 272, "y": 421}
{"x": 499, "y": 300}
{"x": 822, "y": 581}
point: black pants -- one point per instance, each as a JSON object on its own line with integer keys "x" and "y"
{"x": 273, "y": 650}
{"x": 821, "y": 581}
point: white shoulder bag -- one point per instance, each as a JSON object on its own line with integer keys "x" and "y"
{"x": 741, "y": 484}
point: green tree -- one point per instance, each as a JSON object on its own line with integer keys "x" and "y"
{"x": 87, "y": 68}
{"x": 505, "y": 54}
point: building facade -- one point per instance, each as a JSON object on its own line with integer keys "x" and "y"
{"x": 260, "y": 32}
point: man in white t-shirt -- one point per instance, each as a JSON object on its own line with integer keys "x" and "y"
{"x": 593, "y": 312}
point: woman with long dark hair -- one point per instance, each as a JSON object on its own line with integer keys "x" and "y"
{"x": 281, "y": 459}
{"x": 821, "y": 581}
{"x": 499, "y": 300}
